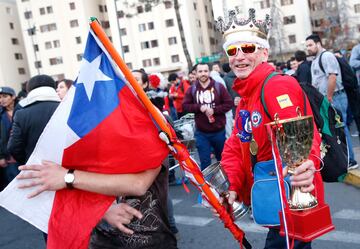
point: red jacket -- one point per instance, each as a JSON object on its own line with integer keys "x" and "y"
{"x": 180, "y": 89}
{"x": 236, "y": 159}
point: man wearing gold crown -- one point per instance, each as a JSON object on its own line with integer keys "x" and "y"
{"x": 247, "y": 47}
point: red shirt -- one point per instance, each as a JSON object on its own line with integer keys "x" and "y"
{"x": 180, "y": 90}
{"x": 283, "y": 95}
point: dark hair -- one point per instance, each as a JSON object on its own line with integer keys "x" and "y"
{"x": 315, "y": 37}
{"x": 172, "y": 76}
{"x": 68, "y": 83}
{"x": 201, "y": 63}
{"x": 300, "y": 55}
{"x": 194, "y": 68}
{"x": 144, "y": 76}
{"x": 39, "y": 81}
{"x": 226, "y": 67}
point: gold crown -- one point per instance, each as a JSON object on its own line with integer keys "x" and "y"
{"x": 232, "y": 24}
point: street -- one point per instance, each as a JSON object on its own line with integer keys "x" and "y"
{"x": 199, "y": 229}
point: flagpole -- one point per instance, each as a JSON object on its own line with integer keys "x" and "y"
{"x": 193, "y": 168}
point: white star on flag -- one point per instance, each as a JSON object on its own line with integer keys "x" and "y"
{"x": 90, "y": 73}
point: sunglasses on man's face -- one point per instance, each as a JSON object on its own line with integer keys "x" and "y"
{"x": 246, "y": 48}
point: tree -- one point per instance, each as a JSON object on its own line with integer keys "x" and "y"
{"x": 148, "y": 5}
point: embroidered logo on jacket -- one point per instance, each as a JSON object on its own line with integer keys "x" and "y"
{"x": 256, "y": 118}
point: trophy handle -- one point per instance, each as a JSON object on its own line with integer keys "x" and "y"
{"x": 298, "y": 111}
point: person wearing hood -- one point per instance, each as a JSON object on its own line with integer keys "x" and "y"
{"x": 30, "y": 121}
{"x": 247, "y": 48}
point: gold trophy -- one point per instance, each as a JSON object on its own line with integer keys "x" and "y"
{"x": 294, "y": 139}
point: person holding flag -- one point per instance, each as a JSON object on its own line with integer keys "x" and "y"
{"x": 100, "y": 143}
{"x": 247, "y": 47}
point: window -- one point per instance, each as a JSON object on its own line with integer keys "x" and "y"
{"x": 48, "y": 45}
{"x": 172, "y": 40}
{"x": 146, "y": 63}
{"x": 140, "y": 9}
{"x": 78, "y": 40}
{"x": 289, "y": 20}
{"x": 72, "y": 5}
{"x": 11, "y": 25}
{"x": 49, "y": 9}
{"x": 145, "y": 45}
{"x": 105, "y": 24}
{"x": 168, "y": 4}
{"x": 123, "y": 31}
{"x": 169, "y": 22}
{"x": 286, "y": 2}
{"x": 292, "y": 39}
{"x": 37, "y": 64}
{"x": 14, "y": 41}
{"x": 156, "y": 61}
{"x": 74, "y": 23}
{"x": 58, "y": 76}
{"x": 42, "y": 11}
{"x": 209, "y": 24}
{"x": 198, "y": 23}
{"x": 21, "y": 70}
{"x": 101, "y": 9}
{"x": 195, "y": 6}
{"x": 142, "y": 27}
{"x": 129, "y": 65}
{"x": 318, "y": 22}
{"x": 56, "y": 43}
{"x": 8, "y": 10}
{"x": 125, "y": 49}
{"x": 31, "y": 31}
{"x": 28, "y": 14}
{"x": 154, "y": 43}
{"x": 175, "y": 58}
{"x": 212, "y": 41}
{"x": 18, "y": 56}
{"x": 56, "y": 60}
{"x": 150, "y": 25}
{"x": 265, "y": 4}
{"x": 105, "y": 8}
{"x": 48, "y": 27}
{"x": 36, "y": 47}
{"x": 330, "y": 4}
{"x": 206, "y": 9}
{"x": 79, "y": 57}
{"x": 120, "y": 14}
{"x": 317, "y": 6}
{"x": 357, "y": 8}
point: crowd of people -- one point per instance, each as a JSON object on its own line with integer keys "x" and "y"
{"x": 229, "y": 119}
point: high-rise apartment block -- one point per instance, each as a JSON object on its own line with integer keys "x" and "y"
{"x": 13, "y": 60}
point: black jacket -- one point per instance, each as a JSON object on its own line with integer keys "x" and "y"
{"x": 28, "y": 124}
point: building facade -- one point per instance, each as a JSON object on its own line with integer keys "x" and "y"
{"x": 55, "y": 33}
{"x": 150, "y": 37}
{"x": 13, "y": 59}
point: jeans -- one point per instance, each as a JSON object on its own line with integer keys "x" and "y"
{"x": 275, "y": 241}
{"x": 171, "y": 217}
{"x": 340, "y": 102}
{"x": 207, "y": 140}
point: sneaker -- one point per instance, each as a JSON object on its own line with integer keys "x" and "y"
{"x": 353, "y": 165}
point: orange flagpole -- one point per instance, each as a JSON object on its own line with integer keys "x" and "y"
{"x": 95, "y": 26}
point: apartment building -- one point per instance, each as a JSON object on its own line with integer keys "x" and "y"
{"x": 150, "y": 37}
{"x": 55, "y": 33}
{"x": 13, "y": 59}
{"x": 290, "y": 22}
{"x": 336, "y": 21}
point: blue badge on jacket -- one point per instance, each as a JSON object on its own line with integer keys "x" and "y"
{"x": 243, "y": 125}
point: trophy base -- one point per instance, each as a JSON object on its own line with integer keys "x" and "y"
{"x": 309, "y": 224}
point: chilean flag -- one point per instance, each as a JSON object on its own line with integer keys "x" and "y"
{"x": 101, "y": 126}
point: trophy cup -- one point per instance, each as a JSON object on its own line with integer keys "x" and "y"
{"x": 217, "y": 179}
{"x": 294, "y": 138}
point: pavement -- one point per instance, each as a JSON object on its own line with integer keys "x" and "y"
{"x": 353, "y": 176}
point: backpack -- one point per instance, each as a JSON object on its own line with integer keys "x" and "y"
{"x": 334, "y": 150}
{"x": 348, "y": 76}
